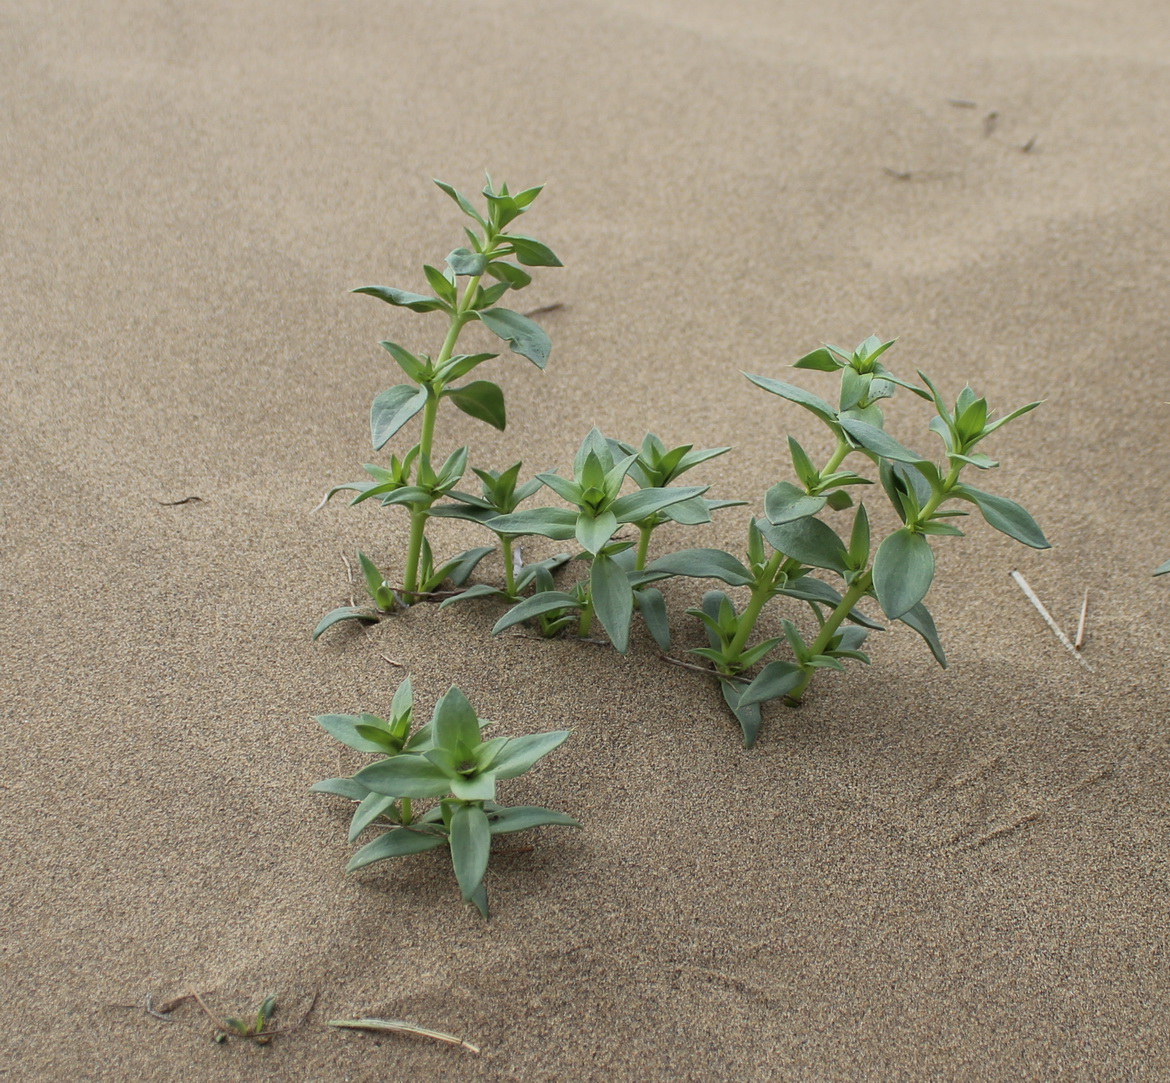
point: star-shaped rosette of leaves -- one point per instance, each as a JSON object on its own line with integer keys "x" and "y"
{"x": 598, "y": 509}
{"x": 447, "y": 760}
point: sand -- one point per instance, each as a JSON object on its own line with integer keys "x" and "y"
{"x": 919, "y": 875}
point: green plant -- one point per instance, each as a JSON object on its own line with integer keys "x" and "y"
{"x": 617, "y": 582}
{"x": 448, "y": 760}
{"x": 898, "y": 573}
{"x": 413, "y": 481}
{"x": 1162, "y": 569}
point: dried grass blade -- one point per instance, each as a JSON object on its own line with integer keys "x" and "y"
{"x": 399, "y": 1026}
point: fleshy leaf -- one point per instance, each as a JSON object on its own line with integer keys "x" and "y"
{"x": 524, "y": 337}
{"x": 902, "y": 572}
{"x": 393, "y": 408}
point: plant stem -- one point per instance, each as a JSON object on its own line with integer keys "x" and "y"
{"x": 947, "y": 485}
{"x": 404, "y": 811}
{"x": 586, "y": 622}
{"x": 837, "y": 459}
{"x": 509, "y": 574}
{"x": 644, "y": 531}
{"x": 420, "y": 510}
{"x": 852, "y": 596}
{"x": 761, "y": 592}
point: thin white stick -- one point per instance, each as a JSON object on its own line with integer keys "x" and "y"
{"x": 1031, "y": 596}
{"x": 1080, "y": 640}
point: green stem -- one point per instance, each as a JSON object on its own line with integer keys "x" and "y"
{"x": 761, "y": 592}
{"x": 644, "y": 530}
{"x": 404, "y": 812}
{"x": 420, "y": 510}
{"x": 509, "y": 574}
{"x": 585, "y": 624}
{"x": 948, "y": 484}
{"x": 857, "y": 590}
{"x": 837, "y": 459}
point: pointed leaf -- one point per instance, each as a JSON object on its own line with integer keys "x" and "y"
{"x": 405, "y": 776}
{"x": 918, "y": 617}
{"x": 797, "y": 395}
{"x": 1006, "y": 516}
{"x": 808, "y": 540}
{"x": 776, "y": 679}
{"x": 416, "y": 302}
{"x": 465, "y": 262}
{"x": 531, "y": 253}
{"x": 539, "y": 604}
{"x": 372, "y": 806}
{"x": 653, "y": 609}
{"x": 392, "y": 409}
{"x": 524, "y": 337}
{"x": 785, "y": 503}
{"x": 822, "y": 360}
{"x": 341, "y": 787}
{"x": 504, "y": 821}
{"x": 397, "y": 842}
{"x": 509, "y": 273}
{"x": 471, "y": 840}
{"x": 879, "y": 442}
{"x": 613, "y": 600}
{"x": 645, "y": 502}
{"x": 704, "y": 564}
{"x": 747, "y": 715}
{"x": 522, "y": 752}
{"x": 455, "y": 722}
{"x": 345, "y": 612}
{"x": 557, "y": 523}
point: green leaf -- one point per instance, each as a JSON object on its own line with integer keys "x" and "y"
{"x": 482, "y": 400}
{"x": 463, "y": 261}
{"x": 776, "y": 679}
{"x": 345, "y": 612}
{"x": 455, "y": 722}
{"x": 504, "y": 821}
{"x": 1162, "y": 569}
{"x": 397, "y": 842}
{"x": 747, "y": 715}
{"x": 405, "y": 775}
{"x": 797, "y": 395}
{"x": 441, "y": 284}
{"x": 822, "y": 360}
{"x": 785, "y": 503}
{"x": 645, "y": 502}
{"x": 509, "y": 273}
{"x": 464, "y": 203}
{"x": 594, "y": 532}
{"x": 808, "y": 474}
{"x": 403, "y": 700}
{"x": 918, "y": 617}
{"x": 880, "y": 443}
{"x": 458, "y": 569}
{"x": 341, "y": 787}
{"x": 372, "y": 806}
{"x": 522, "y": 335}
{"x": 461, "y": 364}
{"x": 653, "y": 609}
{"x": 545, "y": 602}
{"x": 557, "y": 523}
{"x": 522, "y": 752}
{"x": 902, "y": 571}
{"x": 392, "y": 409}
{"x": 413, "y": 366}
{"x": 808, "y": 540}
{"x": 470, "y": 842}
{"x": 859, "y": 542}
{"x": 532, "y": 253}
{"x": 475, "y": 787}
{"x": 613, "y": 600}
{"x": 416, "y": 302}
{"x": 811, "y": 590}
{"x": 704, "y": 564}
{"x": 1005, "y": 515}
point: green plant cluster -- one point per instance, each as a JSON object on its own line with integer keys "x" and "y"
{"x": 814, "y": 525}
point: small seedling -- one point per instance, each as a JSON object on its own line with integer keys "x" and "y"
{"x": 446, "y": 760}
{"x": 413, "y": 481}
{"x": 898, "y": 574}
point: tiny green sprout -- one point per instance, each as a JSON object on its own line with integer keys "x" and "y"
{"x": 897, "y": 573}
{"x": 618, "y": 581}
{"x": 467, "y": 291}
{"x": 255, "y": 1029}
{"x": 446, "y": 761}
